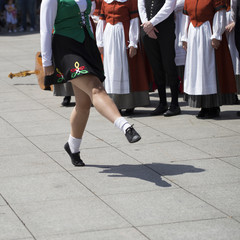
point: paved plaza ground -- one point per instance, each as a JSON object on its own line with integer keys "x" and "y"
{"x": 180, "y": 182}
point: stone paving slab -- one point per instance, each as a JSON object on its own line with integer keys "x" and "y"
{"x": 232, "y": 160}
{"x": 219, "y": 147}
{"x": 164, "y": 152}
{"x": 11, "y": 226}
{"x": 116, "y": 234}
{"x": 69, "y": 216}
{"x": 27, "y": 164}
{"x": 202, "y": 172}
{"x": 214, "y": 229}
{"x": 159, "y": 207}
{"x": 223, "y": 196}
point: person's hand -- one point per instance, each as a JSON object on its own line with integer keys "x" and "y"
{"x": 132, "y": 52}
{"x": 48, "y": 70}
{"x": 216, "y": 43}
{"x": 100, "y": 50}
{"x": 184, "y": 45}
{"x": 230, "y": 27}
{"x": 152, "y": 33}
{"x": 147, "y": 27}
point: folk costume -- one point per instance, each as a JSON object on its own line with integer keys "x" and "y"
{"x": 180, "y": 57}
{"x": 126, "y": 78}
{"x": 97, "y": 11}
{"x": 231, "y": 17}
{"x": 74, "y": 52}
{"x": 161, "y": 51}
{"x": 206, "y": 87}
{"x": 237, "y": 27}
{"x": 72, "y": 46}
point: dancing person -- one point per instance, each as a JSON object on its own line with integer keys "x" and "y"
{"x": 209, "y": 78}
{"x": 158, "y": 36}
{"x": 124, "y": 64}
{"x": 76, "y": 58}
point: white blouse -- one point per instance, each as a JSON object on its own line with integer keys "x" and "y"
{"x": 219, "y": 23}
{"x": 162, "y": 14}
{"x": 48, "y": 14}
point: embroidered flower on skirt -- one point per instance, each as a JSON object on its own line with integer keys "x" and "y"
{"x": 78, "y": 70}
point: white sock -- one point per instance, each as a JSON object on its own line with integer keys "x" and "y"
{"x": 74, "y": 143}
{"x": 122, "y": 124}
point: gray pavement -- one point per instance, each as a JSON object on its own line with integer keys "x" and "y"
{"x": 180, "y": 182}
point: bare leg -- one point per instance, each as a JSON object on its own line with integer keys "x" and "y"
{"x": 91, "y": 85}
{"x": 80, "y": 113}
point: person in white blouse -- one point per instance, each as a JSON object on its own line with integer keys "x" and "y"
{"x": 237, "y": 27}
{"x": 230, "y": 34}
{"x": 158, "y": 36}
{"x": 117, "y": 37}
{"x": 209, "y": 78}
{"x": 70, "y": 54}
{"x": 180, "y": 57}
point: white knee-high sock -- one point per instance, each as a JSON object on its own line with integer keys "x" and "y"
{"x": 74, "y": 143}
{"x": 122, "y": 124}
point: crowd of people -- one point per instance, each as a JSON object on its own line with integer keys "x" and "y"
{"x": 19, "y": 15}
{"x": 112, "y": 53}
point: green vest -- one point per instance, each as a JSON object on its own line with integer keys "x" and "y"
{"x": 69, "y": 22}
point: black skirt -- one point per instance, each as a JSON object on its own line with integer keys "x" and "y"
{"x": 73, "y": 59}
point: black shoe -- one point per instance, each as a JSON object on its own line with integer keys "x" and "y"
{"x": 75, "y": 157}
{"x": 161, "y": 109}
{"x": 128, "y": 112}
{"x": 66, "y": 101}
{"x": 172, "y": 111}
{"x": 202, "y": 114}
{"x": 213, "y": 113}
{"x": 131, "y": 135}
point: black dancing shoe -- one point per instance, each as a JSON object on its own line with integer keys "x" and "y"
{"x": 161, "y": 109}
{"x": 132, "y": 135}
{"x": 66, "y": 101}
{"x": 172, "y": 111}
{"x": 75, "y": 157}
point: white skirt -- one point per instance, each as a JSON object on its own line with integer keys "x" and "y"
{"x": 232, "y": 47}
{"x": 115, "y": 60}
{"x": 200, "y": 68}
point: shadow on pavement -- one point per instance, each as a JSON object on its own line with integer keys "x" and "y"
{"x": 140, "y": 171}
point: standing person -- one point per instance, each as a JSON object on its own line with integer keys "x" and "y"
{"x": 230, "y": 34}
{"x": 237, "y": 27}
{"x": 180, "y": 57}
{"x": 207, "y": 51}
{"x": 158, "y": 35}
{"x": 2, "y": 4}
{"x": 76, "y": 58}
{"x": 65, "y": 90}
{"x": 28, "y": 7}
{"x": 97, "y": 11}
{"x": 11, "y": 16}
{"x": 126, "y": 76}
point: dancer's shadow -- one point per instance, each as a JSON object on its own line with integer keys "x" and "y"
{"x": 148, "y": 172}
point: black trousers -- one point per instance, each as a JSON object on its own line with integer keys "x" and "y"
{"x": 161, "y": 56}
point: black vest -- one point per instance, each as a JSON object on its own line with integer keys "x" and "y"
{"x": 153, "y": 7}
